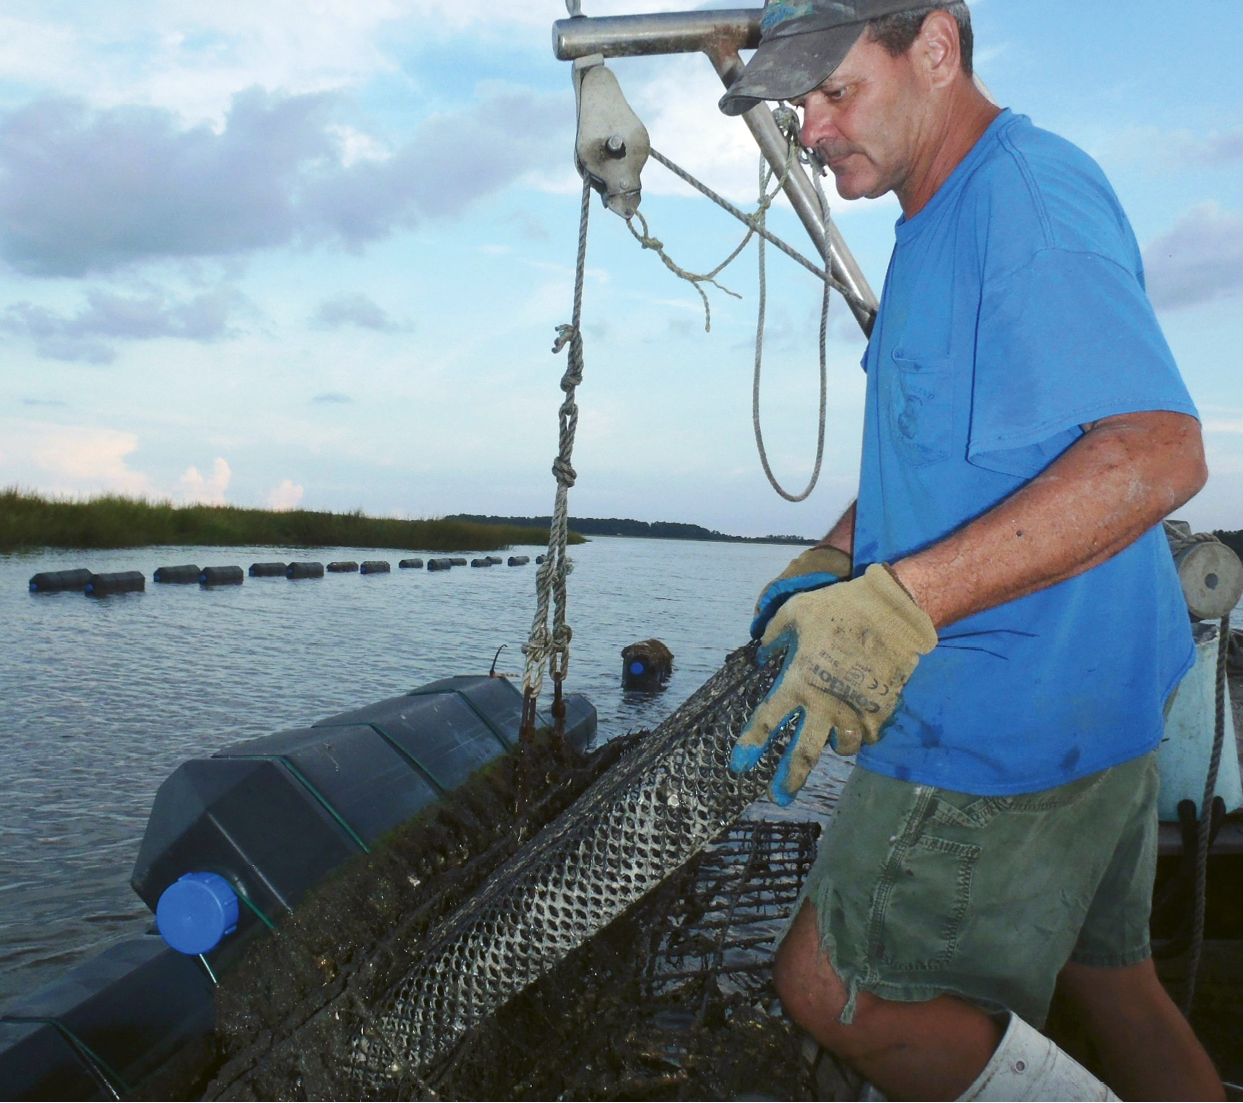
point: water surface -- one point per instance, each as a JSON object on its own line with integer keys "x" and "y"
{"x": 101, "y": 699}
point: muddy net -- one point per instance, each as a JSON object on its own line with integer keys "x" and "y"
{"x": 593, "y": 948}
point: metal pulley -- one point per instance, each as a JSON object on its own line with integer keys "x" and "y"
{"x": 611, "y": 147}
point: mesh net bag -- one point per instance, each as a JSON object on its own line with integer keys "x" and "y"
{"x": 655, "y": 809}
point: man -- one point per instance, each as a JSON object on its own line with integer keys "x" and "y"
{"x": 999, "y": 604}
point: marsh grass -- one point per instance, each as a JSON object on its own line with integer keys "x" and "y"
{"x": 111, "y": 521}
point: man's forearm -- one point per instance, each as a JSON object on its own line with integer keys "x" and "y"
{"x": 1113, "y": 484}
{"x": 842, "y": 535}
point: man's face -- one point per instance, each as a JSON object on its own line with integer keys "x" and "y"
{"x": 865, "y": 120}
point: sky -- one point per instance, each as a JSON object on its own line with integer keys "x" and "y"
{"x": 313, "y": 253}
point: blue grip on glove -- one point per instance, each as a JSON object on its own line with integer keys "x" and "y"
{"x": 780, "y": 590}
{"x": 745, "y": 756}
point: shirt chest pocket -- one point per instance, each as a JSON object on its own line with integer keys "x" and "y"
{"x": 920, "y": 407}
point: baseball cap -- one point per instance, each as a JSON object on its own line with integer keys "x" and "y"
{"x": 801, "y": 43}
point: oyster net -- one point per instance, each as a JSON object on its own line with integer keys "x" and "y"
{"x": 653, "y": 811}
{"x": 673, "y": 1000}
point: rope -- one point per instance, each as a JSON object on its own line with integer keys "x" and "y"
{"x": 750, "y": 222}
{"x": 1206, "y": 812}
{"x": 756, "y": 224}
{"x": 545, "y": 646}
{"x": 765, "y": 176}
{"x": 574, "y": 7}
{"x": 658, "y": 247}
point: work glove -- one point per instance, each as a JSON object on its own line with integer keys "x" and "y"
{"x": 850, "y": 649}
{"x": 814, "y": 569}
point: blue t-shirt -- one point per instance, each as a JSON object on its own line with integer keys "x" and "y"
{"x": 1013, "y": 312}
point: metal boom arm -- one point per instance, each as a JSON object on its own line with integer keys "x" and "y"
{"x": 720, "y": 35}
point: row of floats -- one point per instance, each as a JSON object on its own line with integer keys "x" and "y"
{"x": 124, "y": 582}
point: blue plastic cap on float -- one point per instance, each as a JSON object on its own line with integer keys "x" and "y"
{"x": 637, "y": 668}
{"x": 196, "y": 912}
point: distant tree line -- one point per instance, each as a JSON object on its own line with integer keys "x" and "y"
{"x": 1232, "y": 540}
{"x": 625, "y": 526}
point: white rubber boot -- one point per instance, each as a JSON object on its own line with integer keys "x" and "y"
{"x": 1027, "y": 1066}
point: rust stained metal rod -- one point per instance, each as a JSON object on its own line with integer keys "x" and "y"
{"x": 801, "y": 193}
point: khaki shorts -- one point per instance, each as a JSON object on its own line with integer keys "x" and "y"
{"x": 921, "y": 891}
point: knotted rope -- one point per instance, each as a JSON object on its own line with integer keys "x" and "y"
{"x": 551, "y": 646}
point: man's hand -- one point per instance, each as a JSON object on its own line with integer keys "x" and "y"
{"x": 816, "y": 568}
{"x": 850, "y": 650}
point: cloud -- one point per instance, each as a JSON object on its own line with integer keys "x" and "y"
{"x": 1221, "y": 148}
{"x": 329, "y": 397}
{"x": 85, "y": 190}
{"x": 110, "y": 316}
{"x": 286, "y": 496}
{"x": 356, "y": 309}
{"x": 206, "y": 490}
{"x": 70, "y": 459}
{"x": 1200, "y": 259}
{"x": 1174, "y": 150}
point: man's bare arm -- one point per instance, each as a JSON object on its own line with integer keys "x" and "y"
{"x": 1114, "y": 483}
{"x": 842, "y": 535}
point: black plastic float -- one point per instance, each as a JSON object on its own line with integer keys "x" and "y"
{"x": 232, "y": 844}
{"x": 457, "y": 561}
{"x": 271, "y": 816}
{"x": 115, "y": 582}
{"x": 375, "y": 566}
{"x": 343, "y": 566}
{"x": 416, "y": 564}
{"x": 222, "y": 576}
{"x": 186, "y": 572}
{"x": 519, "y": 560}
{"x": 267, "y": 570}
{"x": 47, "y": 582}
{"x": 486, "y": 562}
{"x": 106, "y": 1026}
{"x": 304, "y": 570}
{"x": 439, "y": 564}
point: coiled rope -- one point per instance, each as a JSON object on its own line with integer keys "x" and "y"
{"x": 789, "y": 125}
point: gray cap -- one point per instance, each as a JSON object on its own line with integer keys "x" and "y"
{"x": 801, "y": 43}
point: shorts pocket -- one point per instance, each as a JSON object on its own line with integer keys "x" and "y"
{"x": 964, "y": 810}
{"x": 923, "y": 903}
{"x": 921, "y": 408}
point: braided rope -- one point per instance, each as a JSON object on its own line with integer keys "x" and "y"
{"x": 657, "y": 246}
{"x": 789, "y": 126}
{"x": 546, "y": 646}
{"x": 749, "y": 221}
{"x": 754, "y": 222}
{"x": 1203, "y": 828}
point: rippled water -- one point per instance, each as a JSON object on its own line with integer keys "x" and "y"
{"x": 101, "y": 699}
